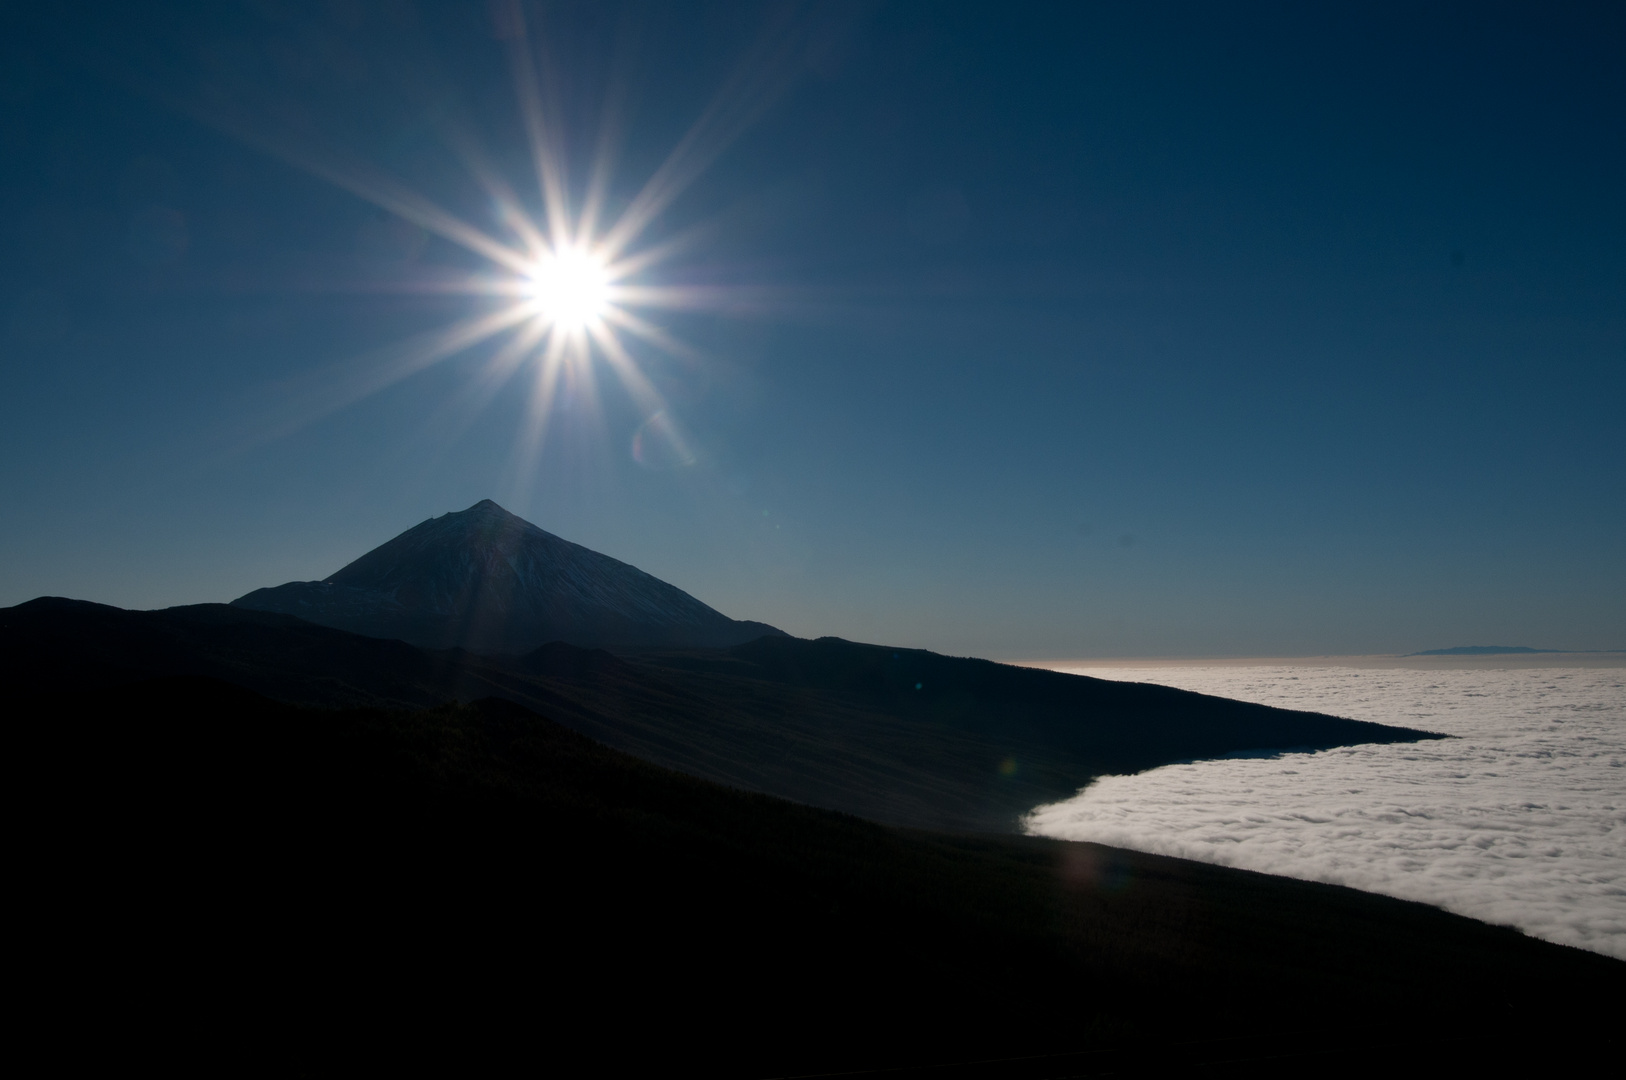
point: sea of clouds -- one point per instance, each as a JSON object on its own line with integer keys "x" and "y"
{"x": 1520, "y": 820}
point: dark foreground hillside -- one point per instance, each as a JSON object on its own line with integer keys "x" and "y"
{"x": 901, "y": 736}
{"x": 908, "y": 736}
{"x": 218, "y": 882}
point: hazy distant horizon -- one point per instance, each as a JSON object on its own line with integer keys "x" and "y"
{"x": 1538, "y": 659}
{"x": 1596, "y": 658}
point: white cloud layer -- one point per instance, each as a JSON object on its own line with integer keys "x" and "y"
{"x": 1520, "y": 821}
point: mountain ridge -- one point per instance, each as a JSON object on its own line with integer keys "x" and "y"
{"x": 901, "y": 736}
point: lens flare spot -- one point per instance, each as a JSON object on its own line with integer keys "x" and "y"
{"x": 658, "y": 444}
{"x": 1085, "y": 867}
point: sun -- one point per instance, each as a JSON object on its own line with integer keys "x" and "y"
{"x": 575, "y": 280}
{"x": 570, "y": 289}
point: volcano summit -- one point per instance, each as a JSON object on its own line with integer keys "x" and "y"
{"x": 487, "y": 580}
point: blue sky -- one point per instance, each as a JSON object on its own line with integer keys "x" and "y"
{"x": 1047, "y": 332}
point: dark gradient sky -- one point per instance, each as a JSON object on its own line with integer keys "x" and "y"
{"x": 1052, "y": 330}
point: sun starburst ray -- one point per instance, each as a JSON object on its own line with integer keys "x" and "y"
{"x": 338, "y": 387}
{"x": 636, "y": 262}
{"x": 365, "y": 182}
{"x": 539, "y": 407}
{"x": 546, "y": 153}
{"x": 567, "y": 279}
{"x": 694, "y": 297}
{"x": 473, "y": 398}
{"x": 509, "y": 208}
{"x": 757, "y": 82}
{"x": 609, "y": 136}
{"x": 647, "y": 330}
{"x": 626, "y": 369}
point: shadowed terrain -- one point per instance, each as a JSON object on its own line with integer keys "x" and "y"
{"x": 900, "y": 736}
{"x": 278, "y": 889}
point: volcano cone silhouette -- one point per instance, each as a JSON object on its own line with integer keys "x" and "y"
{"x": 486, "y": 580}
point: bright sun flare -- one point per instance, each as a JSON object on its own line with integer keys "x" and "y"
{"x": 570, "y": 288}
{"x": 572, "y": 279}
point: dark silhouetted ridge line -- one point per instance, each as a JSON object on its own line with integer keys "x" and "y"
{"x": 901, "y": 736}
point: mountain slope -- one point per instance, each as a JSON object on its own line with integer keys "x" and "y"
{"x": 487, "y": 580}
{"x": 904, "y": 736}
{"x": 901, "y": 736}
{"x": 53, "y": 645}
{"x": 473, "y": 889}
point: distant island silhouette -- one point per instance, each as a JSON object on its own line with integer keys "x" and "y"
{"x": 1485, "y": 650}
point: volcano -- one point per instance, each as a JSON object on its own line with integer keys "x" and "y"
{"x": 489, "y": 581}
